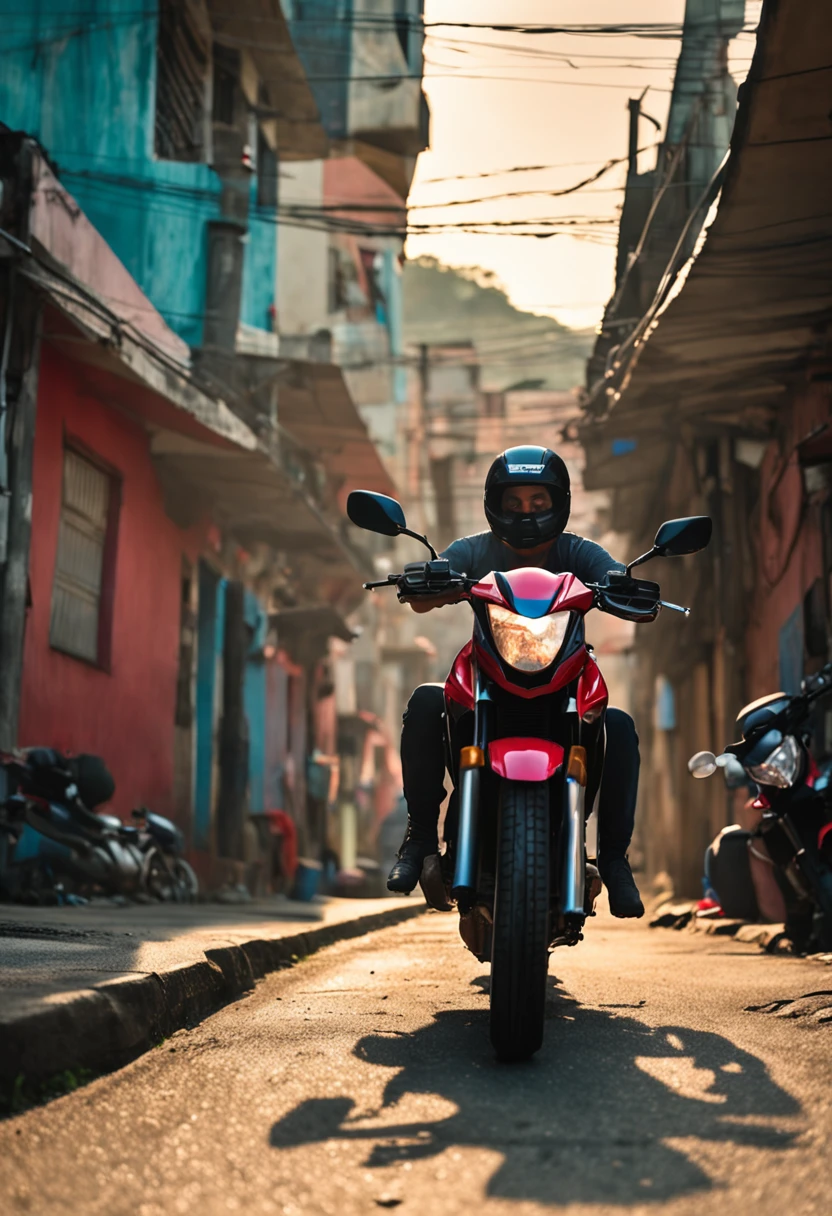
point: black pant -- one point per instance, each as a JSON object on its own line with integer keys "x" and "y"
{"x": 423, "y": 770}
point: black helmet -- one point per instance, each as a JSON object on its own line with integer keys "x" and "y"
{"x": 527, "y": 466}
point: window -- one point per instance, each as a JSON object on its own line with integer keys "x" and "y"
{"x": 182, "y": 78}
{"x": 226, "y": 75}
{"x": 85, "y": 565}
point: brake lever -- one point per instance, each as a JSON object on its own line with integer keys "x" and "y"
{"x": 390, "y": 581}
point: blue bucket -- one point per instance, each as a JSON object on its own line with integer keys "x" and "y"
{"x": 307, "y": 880}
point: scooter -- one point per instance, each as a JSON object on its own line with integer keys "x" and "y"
{"x": 795, "y": 799}
{"x": 528, "y": 699}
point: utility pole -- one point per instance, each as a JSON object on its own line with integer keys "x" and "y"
{"x": 20, "y": 326}
{"x": 634, "y": 106}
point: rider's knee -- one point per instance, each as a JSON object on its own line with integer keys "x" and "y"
{"x": 425, "y": 701}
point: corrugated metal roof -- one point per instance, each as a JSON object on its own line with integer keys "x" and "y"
{"x": 756, "y": 302}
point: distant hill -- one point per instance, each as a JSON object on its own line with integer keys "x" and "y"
{"x": 445, "y": 304}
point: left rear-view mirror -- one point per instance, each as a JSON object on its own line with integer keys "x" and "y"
{"x": 376, "y": 513}
{"x": 703, "y": 764}
{"x": 677, "y": 537}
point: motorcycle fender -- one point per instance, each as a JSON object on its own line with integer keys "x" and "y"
{"x": 525, "y": 759}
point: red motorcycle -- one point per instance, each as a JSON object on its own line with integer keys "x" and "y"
{"x": 528, "y": 694}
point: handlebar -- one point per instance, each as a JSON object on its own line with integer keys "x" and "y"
{"x": 636, "y": 600}
{"x": 458, "y": 583}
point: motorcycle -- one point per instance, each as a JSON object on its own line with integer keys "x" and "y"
{"x": 166, "y": 875}
{"x": 85, "y": 851}
{"x": 528, "y": 693}
{"x": 795, "y": 800}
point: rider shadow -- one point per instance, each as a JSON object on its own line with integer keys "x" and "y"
{"x": 589, "y": 1120}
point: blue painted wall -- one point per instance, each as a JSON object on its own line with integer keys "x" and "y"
{"x": 210, "y": 636}
{"x": 254, "y": 703}
{"x": 322, "y": 34}
{"x": 80, "y": 76}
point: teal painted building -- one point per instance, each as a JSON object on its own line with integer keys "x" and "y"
{"x": 81, "y": 76}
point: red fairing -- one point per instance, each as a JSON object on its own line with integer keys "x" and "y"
{"x": 459, "y": 685}
{"x": 592, "y": 694}
{"x": 568, "y": 671}
{"x": 573, "y": 595}
{"x": 564, "y": 591}
{"x": 525, "y": 759}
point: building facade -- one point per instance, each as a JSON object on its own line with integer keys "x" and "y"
{"x": 187, "y": 562}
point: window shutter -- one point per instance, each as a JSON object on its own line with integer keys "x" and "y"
{"x": 182, "y": 69}
{"x": 76, "y": 594}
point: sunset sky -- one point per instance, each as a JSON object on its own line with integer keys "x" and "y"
{"x": 500, "y": 100}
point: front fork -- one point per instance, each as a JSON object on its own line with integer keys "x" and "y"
{"x": 471, "y": 764}
{"x": 573, "y": 861}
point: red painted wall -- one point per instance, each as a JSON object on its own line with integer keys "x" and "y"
{"x": 788, "y": 538}
{"x": 127, "y": 714}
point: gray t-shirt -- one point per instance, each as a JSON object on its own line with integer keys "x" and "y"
{"x": 478, "y": 555}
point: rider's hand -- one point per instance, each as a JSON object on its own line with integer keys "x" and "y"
{"x": 425, "y": 578}
{"x": 426, "y": 585}
{"x": 424, "y": 603}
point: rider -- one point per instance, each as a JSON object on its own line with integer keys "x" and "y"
{"x": 527, "y": 501}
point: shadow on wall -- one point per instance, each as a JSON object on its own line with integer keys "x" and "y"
{"x": 588, "y": 1121}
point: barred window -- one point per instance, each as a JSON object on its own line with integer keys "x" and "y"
{"x": 83, "y": 567}
{"x": 183, "y": 74}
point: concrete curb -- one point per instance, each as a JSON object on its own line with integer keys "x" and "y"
{"x": 106, "y": 1026}
{"x": 680, "y": 915}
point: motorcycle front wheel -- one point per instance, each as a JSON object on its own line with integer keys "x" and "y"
{"x": 520, "y": 944}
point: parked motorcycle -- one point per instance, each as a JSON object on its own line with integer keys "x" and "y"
{"x": 86, "y": 851}
{"x": 166, "y": 875}
{"x": 515, "y": 864}
{"x": 795, "y": 800}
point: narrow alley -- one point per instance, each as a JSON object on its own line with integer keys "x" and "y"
{"x": 363, "y": 1079}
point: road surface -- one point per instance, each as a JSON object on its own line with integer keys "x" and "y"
{"x": 362, "y": 1080}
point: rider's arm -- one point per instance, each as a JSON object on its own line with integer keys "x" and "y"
{"x": 590, "y": 561}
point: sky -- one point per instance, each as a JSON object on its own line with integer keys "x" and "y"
{"x": 500, "y": 100}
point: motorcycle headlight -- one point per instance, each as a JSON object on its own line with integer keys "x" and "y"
{"x": 527, "y": 643}
{"x": 781, "y": 767}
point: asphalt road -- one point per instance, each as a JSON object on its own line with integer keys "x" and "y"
{"x": 362, "y": 1079}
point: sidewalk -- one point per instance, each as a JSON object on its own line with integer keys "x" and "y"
{"x": 91, "y": 988}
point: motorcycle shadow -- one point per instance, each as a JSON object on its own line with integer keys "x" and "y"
{"x": 589, "y": 1120}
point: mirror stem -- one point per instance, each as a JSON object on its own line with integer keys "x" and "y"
{"x": 423, "y": 539}
{"x": 645, "y": 557}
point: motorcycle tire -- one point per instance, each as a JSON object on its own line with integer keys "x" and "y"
{"x": 520, "y": 944}
{"x": 158, "y": 879}
{"x": 187, "y": 880}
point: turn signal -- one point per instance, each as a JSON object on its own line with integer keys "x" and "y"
{"x": 577, "y": 765}
{"x": 471, "y": 757}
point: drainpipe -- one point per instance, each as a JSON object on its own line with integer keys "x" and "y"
{"x": 19, "y": 366}
{"x": 4, "y": 409}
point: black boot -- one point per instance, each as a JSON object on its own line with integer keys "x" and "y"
{"x": 624, "y": 898}
{"x": 416, "y": 846}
